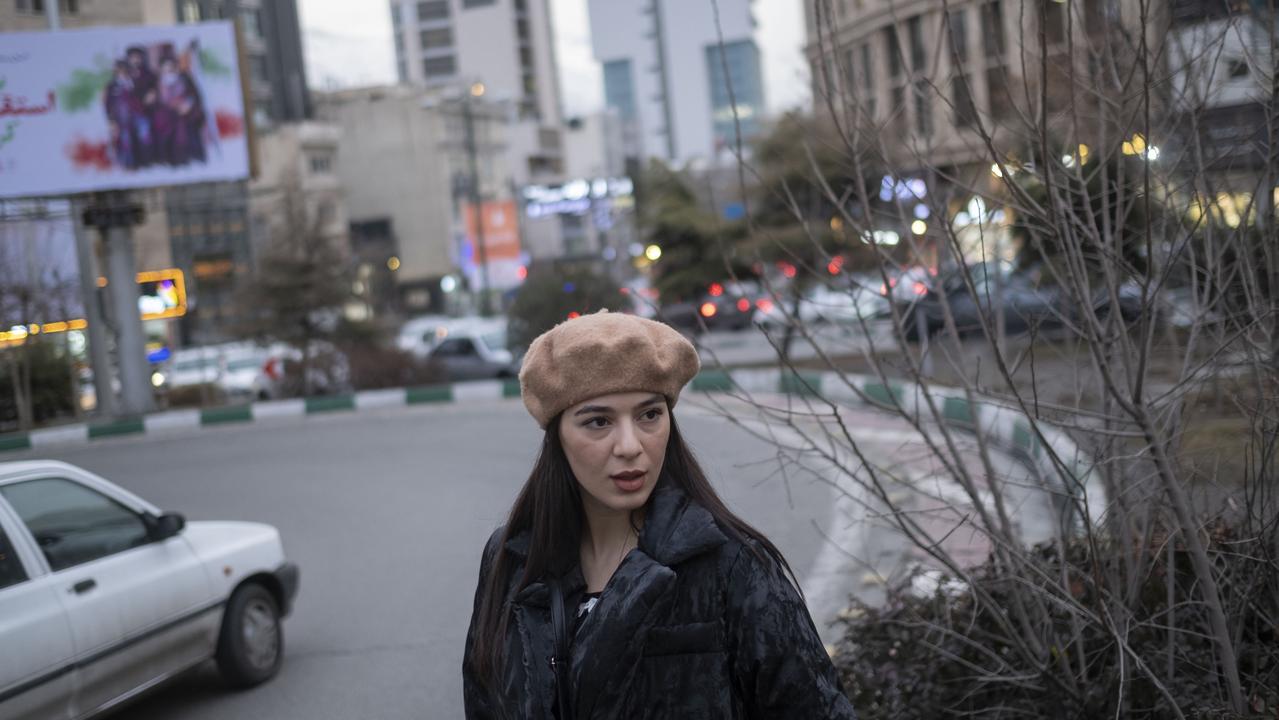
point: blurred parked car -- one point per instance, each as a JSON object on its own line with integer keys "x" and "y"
{"x": 1183, "y": 308}
{"x": 104, "y": 597}
{"x": 473, "y": 349}
{"x": 1025, "y": 307}
{"x": 822, "y": 304}
{"x": 238, "y": 369}
{"x": 253, "y": 372}
{"x": 908, "y": 284}
{"x": 724, "y": 306}
{"x": 417, "y": 335}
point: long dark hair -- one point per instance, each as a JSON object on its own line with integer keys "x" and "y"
{"x": 549, "y": 507}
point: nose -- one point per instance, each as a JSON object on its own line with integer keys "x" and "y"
{"x": 627, "y": 444}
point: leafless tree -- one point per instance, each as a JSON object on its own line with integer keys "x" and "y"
{"x": 1150, "y": 331}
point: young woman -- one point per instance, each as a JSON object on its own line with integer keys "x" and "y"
{"x": 621, "y": 586}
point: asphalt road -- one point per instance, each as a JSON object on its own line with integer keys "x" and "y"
{"x": 387, "y": 512}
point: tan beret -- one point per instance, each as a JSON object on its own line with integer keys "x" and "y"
{"x": 603, "y": 353}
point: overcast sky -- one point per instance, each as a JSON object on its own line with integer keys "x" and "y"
{"x": 349, "y": 44}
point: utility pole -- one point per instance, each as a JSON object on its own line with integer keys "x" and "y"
{"x": 51, "y": 12}
{"x": 477, "y": 205}
{"x": 115, "y": 214}
{"x": 99, "y": 358}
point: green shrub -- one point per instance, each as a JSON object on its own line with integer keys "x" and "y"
{"x": 550, "y": 293}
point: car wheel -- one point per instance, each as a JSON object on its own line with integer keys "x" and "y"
{"x": 251, "y": 644}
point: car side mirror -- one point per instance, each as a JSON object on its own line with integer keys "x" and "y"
{"x": 166, "y": 526}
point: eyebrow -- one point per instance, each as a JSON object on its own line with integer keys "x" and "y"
{"x": 591, "y": 409}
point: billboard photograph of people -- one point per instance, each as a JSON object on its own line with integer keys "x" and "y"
{"x": 117, "y": 108}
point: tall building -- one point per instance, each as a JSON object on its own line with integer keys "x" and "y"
{"x": 672, "y": 82}
{"x": 508, "y": 46}
{"x": 273, "y": 46}
{"x": 210, "y": 228}
{"x": 1221, "y": 59}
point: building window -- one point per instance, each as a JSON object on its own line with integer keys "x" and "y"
{"x": 962, "y": 97}
{"x": 958, "y": 20}
{"x": 868, "y": 79}
{"x": 1100, "y": 15}
{"x": 190, "y": 11}
{"x": 69, "y": 7}
{"x": 918, "y": 55}
{"x": 850, "y": 72}
{"x": 433, "y": 10}
{"x": 741, "y": 60}
{"x": 1001, "y": 99}
{"x": 619, "y": 88}
{"x": 395, "y": 15}
{"x": 401, "y": 70}
{"x": 1237, "y": 69}
{"x": 467, "y": 4}
{"x": 521, "y": 29}
{"x": 250, "y": 22}
{"x": 437, "y": 67}
{"x": 257, "y": 68}
{"x": 321, "y": 162}
{"x": 992, "y": 29}
{"x": 893, "y": 52}
{"x": 1052, "y": 15}
{"x": 436, "y": 38}
{"x": 923, "y": 108}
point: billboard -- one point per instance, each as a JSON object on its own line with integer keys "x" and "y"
{"x": 118, "y": 108}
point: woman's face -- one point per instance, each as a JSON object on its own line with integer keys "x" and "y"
{"x": 616, "y": 445}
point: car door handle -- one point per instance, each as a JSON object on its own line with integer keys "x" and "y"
{"x": 84, "y": 586}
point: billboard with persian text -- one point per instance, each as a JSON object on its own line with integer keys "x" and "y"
{"x": 120, "y": 107}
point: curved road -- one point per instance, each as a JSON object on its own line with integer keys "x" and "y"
{"x": 386, "y": 511}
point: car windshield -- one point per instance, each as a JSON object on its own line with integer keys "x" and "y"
{"x": 194, "y": 363}
{"x": 243, "y": 364}
{"x": 495, "y": 340}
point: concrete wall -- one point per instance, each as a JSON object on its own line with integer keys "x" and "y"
{"x": 393, "y": 164}
{"x": 288, "y": 173}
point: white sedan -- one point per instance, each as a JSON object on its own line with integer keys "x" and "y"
{"x": 103, "y": 596}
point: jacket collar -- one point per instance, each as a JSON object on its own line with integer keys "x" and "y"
{"x": 675, "y": 528}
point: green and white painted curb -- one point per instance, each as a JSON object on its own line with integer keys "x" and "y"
{"x": 161, "y": 422}
{"x": 1041, "y": 446}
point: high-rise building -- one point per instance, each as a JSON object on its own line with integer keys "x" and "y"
{"x": 273, "y": 46}
{"x": 209, "y": 224}
{"x": 681, "y": 93}
{"x": 508, "y": 47}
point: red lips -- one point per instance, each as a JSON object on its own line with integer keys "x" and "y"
{"x": 627, "y": 475}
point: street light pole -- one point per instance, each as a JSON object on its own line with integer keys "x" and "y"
{"x": 51, "y": 12}
{"x": 99, "y": 359}
{"x": 477, "y": 206}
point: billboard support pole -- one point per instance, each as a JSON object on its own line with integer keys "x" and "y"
{"x": 115, "y": 214}
{"x": 52, "y": 15}
{"x": 100, "y": 360}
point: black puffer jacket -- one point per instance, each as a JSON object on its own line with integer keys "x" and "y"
{"x": 691, "y": 625}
